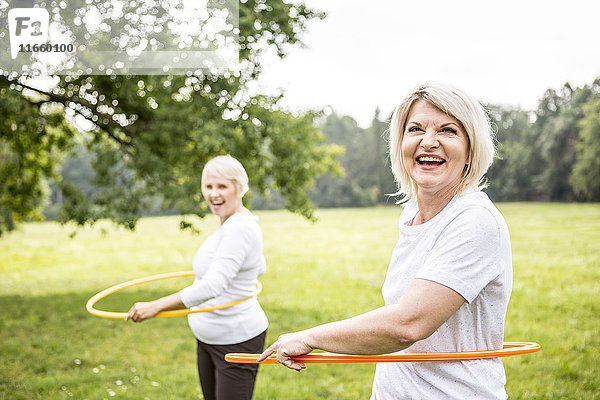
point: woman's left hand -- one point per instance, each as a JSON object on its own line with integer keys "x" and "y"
{"x": 287, "y": 346}
{"x": 142, "y": 311}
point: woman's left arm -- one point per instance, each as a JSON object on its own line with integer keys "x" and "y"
{"x": 423, "y": 308}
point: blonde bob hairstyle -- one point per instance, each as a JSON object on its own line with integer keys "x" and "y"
{"x": 469, "y": 112}
{"x": 227, "y": 167}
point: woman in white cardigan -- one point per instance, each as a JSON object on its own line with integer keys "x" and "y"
{"x": 227, "y": 266}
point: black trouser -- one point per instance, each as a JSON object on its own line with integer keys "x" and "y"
{"x": 221, "y": 380}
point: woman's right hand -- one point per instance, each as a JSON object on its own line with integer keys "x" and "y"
{"x": 148, "y": 309}
{"x": 142, "y": 311}
{"x": 287, "y": 346}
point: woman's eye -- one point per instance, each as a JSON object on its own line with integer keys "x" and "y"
{"x": 450, "y": 130}
{"x": 414, "y": 129}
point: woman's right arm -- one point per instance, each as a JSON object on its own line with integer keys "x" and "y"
{"x": 423, "y": 308}
{"x": 142, "y": 311}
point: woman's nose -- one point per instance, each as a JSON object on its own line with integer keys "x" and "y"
{"x": 429, "y": 139}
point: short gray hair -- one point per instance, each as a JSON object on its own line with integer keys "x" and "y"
{"x": 474, "y": 119}
{"x": 227, "y": 167}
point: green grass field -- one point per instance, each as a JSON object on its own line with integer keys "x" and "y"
{"x": 51, "y": 348}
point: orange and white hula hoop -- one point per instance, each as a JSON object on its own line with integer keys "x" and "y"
{"x": 509, "y": 349}
{"x": 163, "y": 314}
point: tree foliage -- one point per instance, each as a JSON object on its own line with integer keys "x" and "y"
{"x": 367, "y": 178}
{"x": 518, "y": 158}
{"x": 150, "y": 135}
{"x": 32, "y": 138}
{"x": 543, "y": 155}
{"x": 585, "y": 177}
{"x": 557, "y": 131}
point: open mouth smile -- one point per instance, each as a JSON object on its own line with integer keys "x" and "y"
{"x": 430, "y": 160}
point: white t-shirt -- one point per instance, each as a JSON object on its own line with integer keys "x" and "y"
{"x": 227, "y": 267}
{"x": 466, "y": 247}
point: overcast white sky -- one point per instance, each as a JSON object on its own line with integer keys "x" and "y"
{"x": 367, "y": 54}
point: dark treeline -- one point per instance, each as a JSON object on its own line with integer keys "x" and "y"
{"x": 550, "y": 154}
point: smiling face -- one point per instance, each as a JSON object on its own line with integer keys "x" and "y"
{"x": 222, "y": 196}
{"x": 435, "y": 150}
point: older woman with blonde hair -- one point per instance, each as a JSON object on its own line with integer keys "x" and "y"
{"x": 227, "y": 266}
{"x": 450, "y": 276}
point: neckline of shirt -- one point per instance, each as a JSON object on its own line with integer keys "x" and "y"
{"x": 242, "y": 213}
{"x": 414, "y": 229}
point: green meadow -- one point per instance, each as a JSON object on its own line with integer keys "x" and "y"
{"x": 51, "y": 348}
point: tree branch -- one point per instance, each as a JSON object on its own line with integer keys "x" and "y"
{"x": 108, "y": 128}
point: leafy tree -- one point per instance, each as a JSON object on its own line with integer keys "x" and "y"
{"x": 367, "y": 176}
{"x": 511, "y": 175}
{"x": 557, "y": 130}
{"x": 585, "y": 177}
{"x": 539, "y": 152}
{"x": 152, "y": 135}
{"x": 378, "y": 134}
{"x": 354, "y": 188}
{"x": 32, "y": 138}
